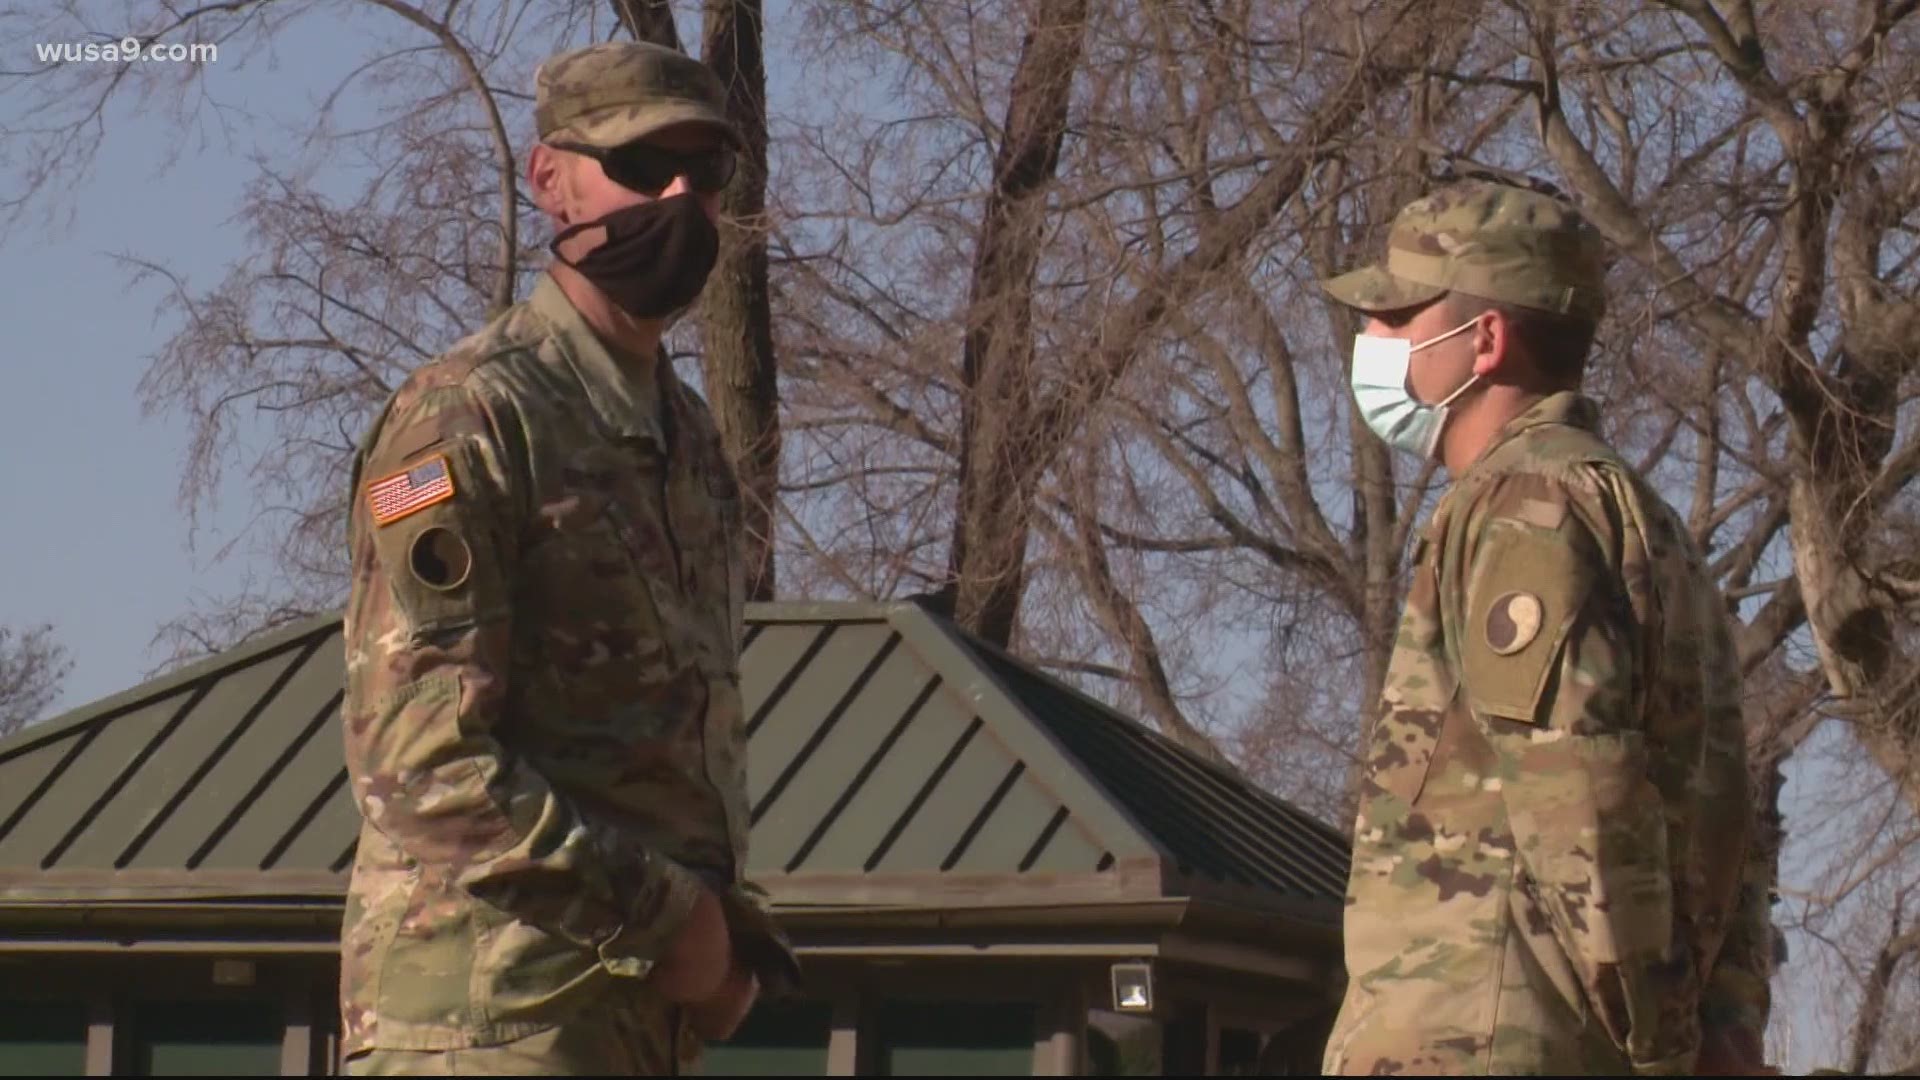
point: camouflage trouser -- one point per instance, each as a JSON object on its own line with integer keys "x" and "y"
{"x": 619, "y": 1036}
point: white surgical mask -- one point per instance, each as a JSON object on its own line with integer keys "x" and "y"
{"x": 1380, "y": 367}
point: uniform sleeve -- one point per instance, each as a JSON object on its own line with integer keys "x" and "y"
{"x": 1738, "y": 997}
{"x": 1548, "y": 653}
{"x": 434, "y": 529}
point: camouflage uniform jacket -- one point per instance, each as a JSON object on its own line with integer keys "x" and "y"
{"x": 1548, "y": 871}
{"x": 542, "y": 715}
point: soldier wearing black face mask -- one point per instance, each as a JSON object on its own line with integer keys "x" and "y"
{"x": 543, "y": 718}
{"x": 655, "y": 259}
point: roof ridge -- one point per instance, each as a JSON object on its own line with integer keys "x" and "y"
{"x": 1276, "y": 820}
{"x": 1295, "y": 829}
{"x": 945, "y": 646}
{"x": 1111, "y": 713}
{"x": 772, "y": 611}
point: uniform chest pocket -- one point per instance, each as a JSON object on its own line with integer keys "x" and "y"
{"x": 694, "y": 540}
{"x": 585, "y": 601}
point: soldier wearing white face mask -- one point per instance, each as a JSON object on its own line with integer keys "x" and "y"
{"x": 1551, "y": 872}
{"x": 1381, "y": 367}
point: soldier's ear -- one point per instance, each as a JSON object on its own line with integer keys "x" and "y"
{"x": 1493, "y": 343}
{"x": 546, "y": 181}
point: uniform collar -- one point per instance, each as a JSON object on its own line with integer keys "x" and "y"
{"x": 1567, "y": 408}
{"x": 626, "y": 405}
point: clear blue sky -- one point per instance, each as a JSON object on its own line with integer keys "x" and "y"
{"x": 96, "y": 542}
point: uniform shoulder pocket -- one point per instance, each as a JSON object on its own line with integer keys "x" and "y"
{"x": 1527, "y": 588}
{"x": 434, "y": 537}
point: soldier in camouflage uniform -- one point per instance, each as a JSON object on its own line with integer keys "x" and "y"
{"x": 543, "y": 716}
{"x": 1551, "y": 871}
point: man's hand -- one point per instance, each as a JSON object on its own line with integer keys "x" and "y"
{"x": 698, "y": 961}
{"x": 720, "y": 1016}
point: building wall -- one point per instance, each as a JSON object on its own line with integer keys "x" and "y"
{"x": 201, "y": 1015}
{"x": 154, "y": 1015}
{"x": 145, "y": 1014}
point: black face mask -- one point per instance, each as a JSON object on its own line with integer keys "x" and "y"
{"x": 655, "y": 259}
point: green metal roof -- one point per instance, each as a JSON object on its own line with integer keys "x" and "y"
{"x": 892, "y": 758}
{"x": 1214, "y": 824}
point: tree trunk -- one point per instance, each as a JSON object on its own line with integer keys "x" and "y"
{"x": 738, "y": 359}
{"x": 1870, "y": 1024}
{"x": 648, "y": 20}
{"x": 987, "y": 560}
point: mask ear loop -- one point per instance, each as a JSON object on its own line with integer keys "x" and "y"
{"x": 1445, "y": 336}
{"x": 571, "y": 231}
{"x": 1465, "y": 386}
{"x": 1444, "y": 412}
{"x": 1443, "y": 407}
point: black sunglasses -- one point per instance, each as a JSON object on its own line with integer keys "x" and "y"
{"x": 650, "y": 169}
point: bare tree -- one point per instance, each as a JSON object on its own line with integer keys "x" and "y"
{"x": 32, "y": 667}
{"x": 1195, "y": 130}
{"x": 1871, "y": 1027}
{"x": 1814, "y": 302}
{"x": 648, "y": 20}
{"x": 1018, "y": 313}
{"x": 739, "y": 364}
{"x": 283, "y": 364}
{"x": 1848, "y": 904}
{"x": 989, "y": 543}
{"x": 1220, "y": 472}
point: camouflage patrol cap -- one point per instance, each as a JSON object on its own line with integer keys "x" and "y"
{"x": 615, "y": 92}
{"x": 1490, "y": 240}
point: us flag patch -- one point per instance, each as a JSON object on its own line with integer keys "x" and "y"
{"x": 402, "y": 493}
